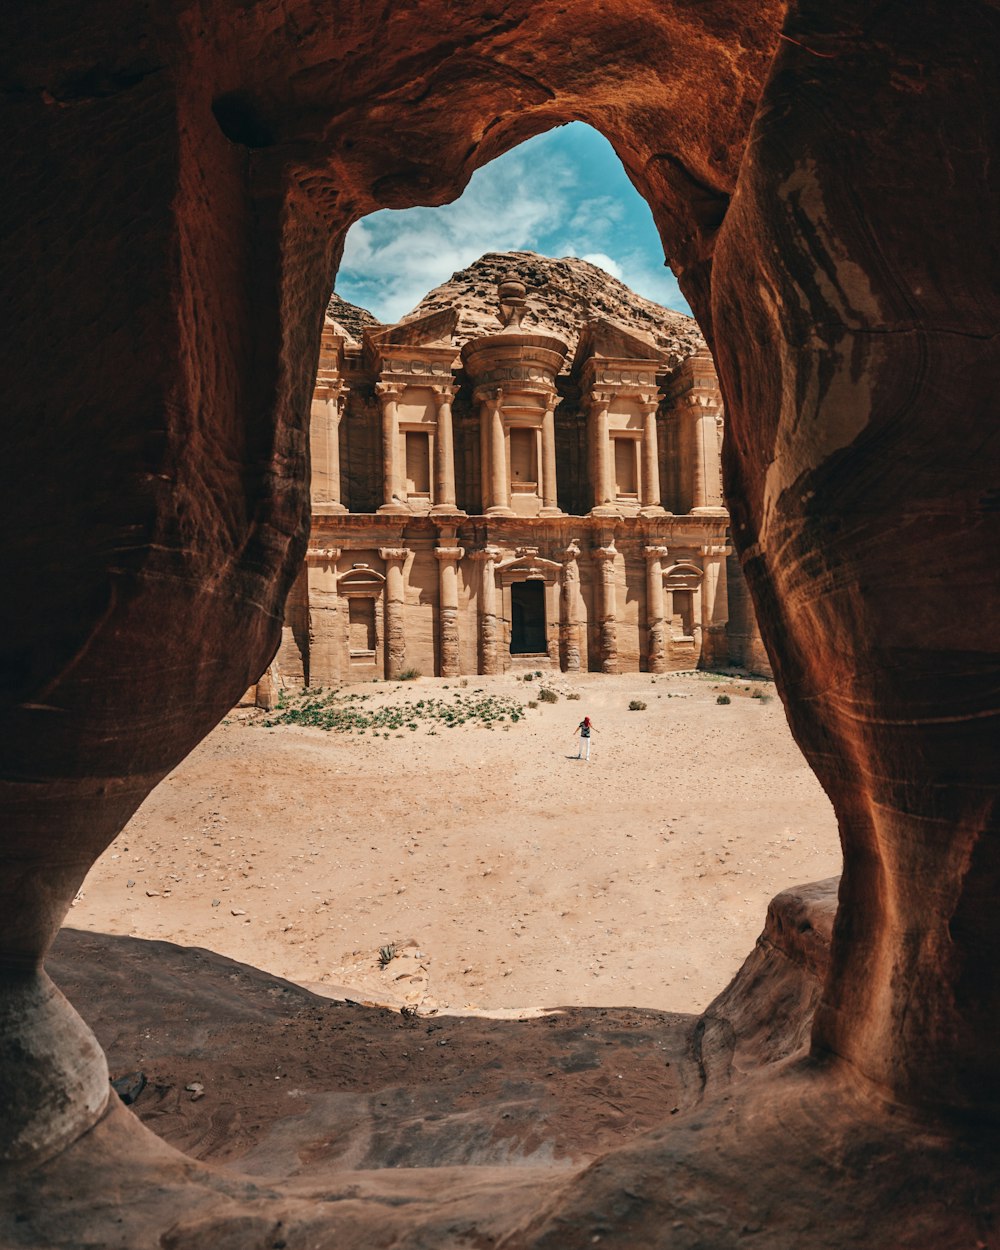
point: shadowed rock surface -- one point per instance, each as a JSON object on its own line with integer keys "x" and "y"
{"x": 827, "y": 184}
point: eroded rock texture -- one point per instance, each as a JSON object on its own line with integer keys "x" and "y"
{"x": 179, "y": 183}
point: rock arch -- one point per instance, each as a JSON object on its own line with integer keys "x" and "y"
{"x": 182, "y": 193}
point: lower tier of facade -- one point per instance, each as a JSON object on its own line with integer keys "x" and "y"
{"x": 380, "y": 596}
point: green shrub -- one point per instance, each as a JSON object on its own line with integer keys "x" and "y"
{"x": 386, "y": 954}
{"x": 409, "y": 674}
{"x": 637, "y": 705}
{"x": 723, "y": 698}
{"x": 573, "y": 696}
{"x": 548, "y": 696}
{"x": 532, "y": 703}
{"x": 528, "y": 677}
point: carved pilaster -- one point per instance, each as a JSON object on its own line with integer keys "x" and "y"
{"x": 569, "y": 611}
{"x": 550, "y": 499}
{"x": 444, "y": 468}
{"x": 608, "y": 619}
{"x": 395, "y": 605}
{"x": 328, "y": 402}
{"x": 706, "y": 492}
{"x": 600, "y": 450}
{"x": 656, "y": 628}
{"x": 650, "y": 463}
{"x": 448, "y": 558}
{"x": 392, "y": 489}
{"x": 488, "y": 624}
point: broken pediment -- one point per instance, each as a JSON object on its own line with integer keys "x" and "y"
{"x": 611, "y": 339}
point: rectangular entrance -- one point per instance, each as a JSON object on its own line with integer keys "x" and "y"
{"x": 527, "y": 618}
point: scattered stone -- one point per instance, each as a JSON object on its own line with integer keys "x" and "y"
{"x": 129, "y": 1087}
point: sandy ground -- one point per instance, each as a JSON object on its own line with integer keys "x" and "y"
{"x": 506, "y": 873}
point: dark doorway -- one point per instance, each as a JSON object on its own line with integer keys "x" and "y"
{"x": 527, "y": 618}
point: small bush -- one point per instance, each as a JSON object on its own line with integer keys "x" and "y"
{"x": 573, "y": 696}
{"x": 548, "y": 696}
{"x": 528, "y": 677}
{"x": 538, "y": 672}
{"x": 532, "y": 703}
{"x": 637, "y": 705}
{"x": 386, "y": 954}
{"x": 409, "y": 674}
{"x": 723, "y": 698}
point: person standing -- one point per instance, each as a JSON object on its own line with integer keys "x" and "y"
{"x": 585, "y": 728}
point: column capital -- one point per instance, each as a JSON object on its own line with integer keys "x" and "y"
{"x": 488, "y": 394}
{"x": 486, "y": 553}
{"x": 655, "y": 553}
{"x": 571, "y": 551}
{"x": 716, "y": 549}
{"x": 600, "y": 398}
{"x": 449, "y": 553}
{"x": 330, "y": 389}
{"x": 389, "y": 390}
{"x": 444, "y": 393}
{"x": 699, "y": 399}
{"x": 604, "y": 554}
{"x": 393, "y": 554}
{"x": 325, "y": 555}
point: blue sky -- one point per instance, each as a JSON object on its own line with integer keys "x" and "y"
{"x": 563, "y": 193}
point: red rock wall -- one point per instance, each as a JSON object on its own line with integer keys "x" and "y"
{"x": 855, "y": 320}
{"x": 180, "y": 179}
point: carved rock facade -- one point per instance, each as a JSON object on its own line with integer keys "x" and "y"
{"x": 551, "y": 511}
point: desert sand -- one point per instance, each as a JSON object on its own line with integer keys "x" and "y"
{"x": 507, "y": 874}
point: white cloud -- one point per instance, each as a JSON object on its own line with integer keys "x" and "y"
{"x": 533, "y": 198}
{"x": 603, "y": 261}
{"x": 391, "y": 260}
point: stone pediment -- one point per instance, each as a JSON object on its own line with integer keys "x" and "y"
{"x": 434, "y": 329}
{"x": 610, "y": 339}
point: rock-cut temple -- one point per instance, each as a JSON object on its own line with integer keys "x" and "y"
{"x": 514, "y": 496}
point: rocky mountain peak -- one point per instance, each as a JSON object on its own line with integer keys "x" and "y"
{"x": 562, "y": 296}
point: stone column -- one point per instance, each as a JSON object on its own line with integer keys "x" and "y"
{"x": 488, "y": 624}
{"x": 325, "y": 638}
{"x": 550, "y": 499}
{"x": 395, "y": 604}
{"x": 485, "y": 475}
{"x": 707, "y": 484}
{"x": 714, "y": 605}
{"x": 392, "y": 489}
{"x": 600, "y": 449}
{"x": 499, "y": 487}
{"x": 608, "y": 611}
{"x": 327, "y": 411}
{"x": 650, "y": 464}
{"x": 656, "y": 630}
{"x": 448, "y": 558}
{"x": 444, "y": 466}
{"x": 569, "y": 611}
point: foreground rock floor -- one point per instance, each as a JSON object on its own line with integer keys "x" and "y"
{"x": 280, "y": 1119}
